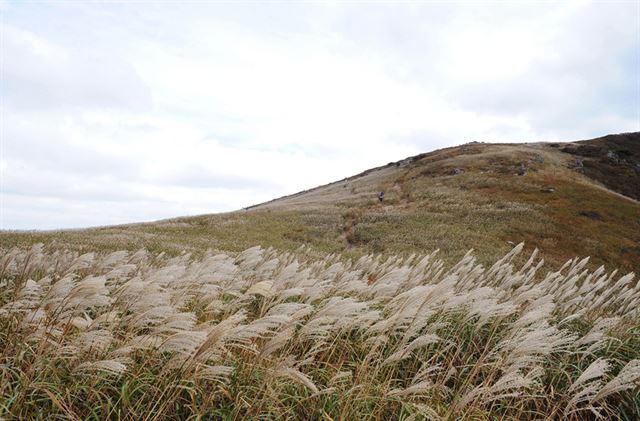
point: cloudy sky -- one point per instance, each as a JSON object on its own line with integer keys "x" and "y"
{"x": 118, "y": 112}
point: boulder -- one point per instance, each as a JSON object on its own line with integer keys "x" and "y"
{"x": 522, "y": 170}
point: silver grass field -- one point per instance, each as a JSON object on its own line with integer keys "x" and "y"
{"x": 264, "y": 334}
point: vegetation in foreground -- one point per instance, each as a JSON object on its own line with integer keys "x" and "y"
{"x": 273, "y": 335}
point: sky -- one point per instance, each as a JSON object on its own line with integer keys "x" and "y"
{"x": 117, "y": 112}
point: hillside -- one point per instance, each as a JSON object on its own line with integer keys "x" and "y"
{"x": 567, "y": 199}
{"x": 91, "y": 329}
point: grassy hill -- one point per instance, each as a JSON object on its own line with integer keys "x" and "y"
{"x": 567, "y": 199}
{"x": 90, "y": 329}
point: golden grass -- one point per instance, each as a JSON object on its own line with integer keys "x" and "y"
{"x": 263, "y": 334}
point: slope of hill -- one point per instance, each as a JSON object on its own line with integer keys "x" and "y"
{"x": 91, "y": 332}
{"x": 613, "y": 160}
{"x": 567, "y": 199}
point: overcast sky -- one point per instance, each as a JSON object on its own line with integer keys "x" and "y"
{"x": 118, "y": 112}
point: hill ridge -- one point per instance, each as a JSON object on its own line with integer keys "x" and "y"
{"x": 485, "y": 196}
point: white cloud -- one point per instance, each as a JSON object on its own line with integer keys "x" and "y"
{"x": 128, "y": 112}
{"x": 41, "y": 74}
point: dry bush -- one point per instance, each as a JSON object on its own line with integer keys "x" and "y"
{"x": 266, "y": 334}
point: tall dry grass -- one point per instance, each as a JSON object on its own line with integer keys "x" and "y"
{"x": 265, "y": 334}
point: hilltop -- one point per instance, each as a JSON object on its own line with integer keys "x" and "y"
{"x": 567, "y": 199}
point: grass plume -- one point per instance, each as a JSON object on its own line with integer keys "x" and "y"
{"x": 266, "y": 334}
